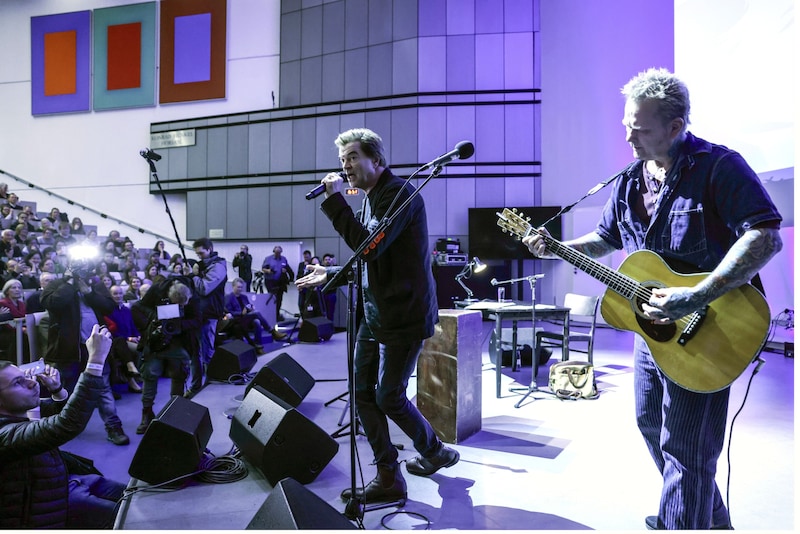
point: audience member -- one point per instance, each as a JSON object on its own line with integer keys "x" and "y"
{"x": 39, "y": 489}
{"x": 243, "y": 263}
{"x": 47, "y": 239}
{"x": 8, "y": 243}
{"x": 126, "y": 336}
{"x": 277, "y": 275}
{"x": 242, "y": 320}
{"x": 161, "y": 350}
{"x": 106, "y": 279}
{"x": 208, "y": 278}
{"x": 159, "y": 249}
{"x": 26, "y": 278}
{"x": 65, "y": 234}
{"x": 134, "y": 289}
{"x": 76, "y": 227}
{"x": 55, "y": 217}
{"x": 24, "y": 219}
{"x": 151, "y": 273}
{"x": 33, "y": 303}
{"x": 13, "y": 203}
{"x": 12, "y": 299}
{"x": 31, "y": 244}
{"x": 91, "y": 239}
{"x": 3, "y": 191}
{"x": 74, "y": 306}
{"x": 32, "y": 217}
{"x": 7, "y": 217}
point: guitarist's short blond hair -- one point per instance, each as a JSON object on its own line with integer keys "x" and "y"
{"x": 666, "y": 88}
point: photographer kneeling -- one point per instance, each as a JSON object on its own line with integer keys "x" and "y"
{"x": 166, "y": 342}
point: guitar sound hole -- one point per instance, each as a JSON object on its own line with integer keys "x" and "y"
{"x": 656, "y": 332}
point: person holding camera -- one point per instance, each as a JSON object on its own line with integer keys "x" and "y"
{"x": 165, "y": 343}
{"x": 42, "y": 486}
{"x": 277, "y": 275}
{"x": 75, "y": 303}
{"x": 243, "y": 263}
{"x": 209, "y": 276}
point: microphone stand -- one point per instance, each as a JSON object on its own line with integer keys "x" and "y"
{"x": 533, "y": 387}
{"x": 149, "y": 159}
{"x": 355, "y": 507}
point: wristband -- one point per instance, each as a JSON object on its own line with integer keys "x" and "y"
{"x": 95, "y": 367}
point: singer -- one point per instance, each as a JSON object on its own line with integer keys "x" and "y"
{"x": 400, "y": 310}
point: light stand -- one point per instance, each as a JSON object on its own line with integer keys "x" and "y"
{"x": 475, "y": 266}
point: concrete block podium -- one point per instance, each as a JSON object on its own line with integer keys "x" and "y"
{"x": 449, "y": 376}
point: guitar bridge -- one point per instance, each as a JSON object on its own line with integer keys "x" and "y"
{"x": 694, "y": 324}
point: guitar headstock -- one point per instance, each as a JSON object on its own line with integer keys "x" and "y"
{"x": 514, "y": 223}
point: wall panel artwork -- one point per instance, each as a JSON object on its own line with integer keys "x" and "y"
{"x": 124, "y": 56}
{"x": 193, "y": 50}
{"x": 60, "y": 56}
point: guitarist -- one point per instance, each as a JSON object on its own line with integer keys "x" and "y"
{"x": 695, "y": 204}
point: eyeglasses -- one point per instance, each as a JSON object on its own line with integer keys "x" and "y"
{"x": 20, "y": 381}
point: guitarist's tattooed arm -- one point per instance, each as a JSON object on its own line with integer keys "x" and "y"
{"x": 747, "y": 256}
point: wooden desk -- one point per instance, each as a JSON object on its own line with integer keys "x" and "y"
{"x": 511, "y": 311}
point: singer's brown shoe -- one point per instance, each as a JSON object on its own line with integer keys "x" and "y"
{"x": 389, "y": 485}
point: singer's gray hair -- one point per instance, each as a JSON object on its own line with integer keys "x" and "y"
{"x": 371, "y": 143}
{"x": 664, "y": 87}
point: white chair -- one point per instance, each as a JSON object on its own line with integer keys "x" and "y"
{"x": 583, "y": 310}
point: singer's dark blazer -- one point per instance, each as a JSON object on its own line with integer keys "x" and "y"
{"x": 398, "y": 291}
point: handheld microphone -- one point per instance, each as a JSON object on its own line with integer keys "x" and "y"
{"x": 146, "y": 153}
{"x": 463, "y": 150}
{"x": 317, "y": 191}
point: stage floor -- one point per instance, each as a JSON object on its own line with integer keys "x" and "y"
{"x": 547, "y": 465}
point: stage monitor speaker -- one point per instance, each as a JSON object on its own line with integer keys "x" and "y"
{"x": 279, "y": 440}
{"x": 284, "y": 378}
{"x": 232, "y": 358}
{"x": 290, "y": 506}
{"x": 315, "y": 329}
{"x": 174, "y": 443}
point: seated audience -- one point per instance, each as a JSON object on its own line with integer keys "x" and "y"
{"x": 33, "y": 304}
{"x": 7, "y": 217}
{"x": 134, "y": 289}
{"x": 12, "y": 300}
{"x": 40, "y": 489}
{"x": 56, "y": 217}
{"x": 159, "y": 249}
{"x": 126, "y": 338}
{"x": 65, "y": 234}
{"x": 13, "y": 203}
{"x": 241, "y": 321}
{"x": 76, "y": 227}
{"x": 24, "y": 219}
{"x": 46, "y": 239}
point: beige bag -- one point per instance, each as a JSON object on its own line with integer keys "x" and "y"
{"x": 573, "y": 380}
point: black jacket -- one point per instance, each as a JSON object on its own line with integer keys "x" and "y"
{"x": 61, "y": 300}
{"x": 398, "y": 291}
{"x": 34, "y": 483}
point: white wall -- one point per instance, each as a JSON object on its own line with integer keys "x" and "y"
{"x": 93, "y": 158}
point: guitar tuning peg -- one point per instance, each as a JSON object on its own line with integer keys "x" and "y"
{"x": 514, "y": 210}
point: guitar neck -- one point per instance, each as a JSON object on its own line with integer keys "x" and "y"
{"x": 615, "y": 281}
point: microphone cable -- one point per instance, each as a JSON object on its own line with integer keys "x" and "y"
{"x": 760, "y": 364}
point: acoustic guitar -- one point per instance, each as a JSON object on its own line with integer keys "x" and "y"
{"x": 704, "y": 351}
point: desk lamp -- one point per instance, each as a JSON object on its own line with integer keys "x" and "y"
{"x": 475, "y": 266}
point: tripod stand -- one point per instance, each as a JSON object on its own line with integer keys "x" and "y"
{"x": 533, "y": 387}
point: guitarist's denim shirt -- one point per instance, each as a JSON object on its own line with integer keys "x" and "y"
{"x": 710, "y": 197}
